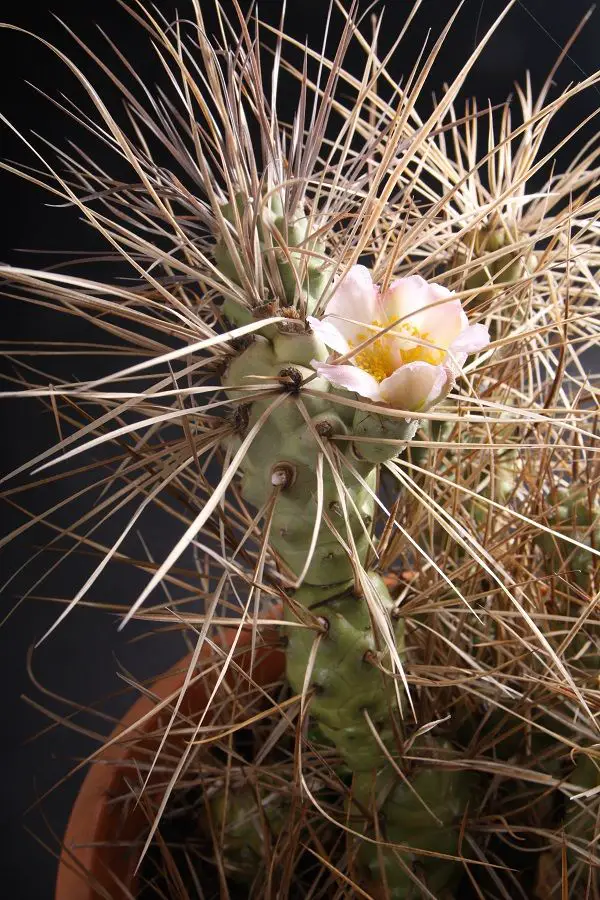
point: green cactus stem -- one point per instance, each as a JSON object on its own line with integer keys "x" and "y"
{"x": 577, "y": 516}
{"x": 374, "y": 426}
{"x": 241, "y": 823}
{"x": 298, "y": 270}
{"x": 502, "y": 270}
{"x": 287, "y": 443}
{"x": 351, "y": 694}
{"x": 581, "y": 818}
{"x": 344, "y": 682}
{"x": 420, "y": 813}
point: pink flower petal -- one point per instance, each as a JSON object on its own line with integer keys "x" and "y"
{"x": 329, "y": 334}
{"x": 472, "y": 339}
{"x": 350, "y": 377}
{"x": 417, "y": 386}
{"x": 443, "y": 323}
{"x": 407, "y": 296}
{"x": 355, "y": 297}
{"x": 431, "y": 308}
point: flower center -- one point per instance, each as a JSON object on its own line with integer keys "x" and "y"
{"x": 378, "y": 359}
{"x": 387, "y": 353}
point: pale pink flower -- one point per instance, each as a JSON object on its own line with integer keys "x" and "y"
{"x": 413, "y": 365}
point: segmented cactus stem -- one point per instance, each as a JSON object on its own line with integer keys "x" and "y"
{"x": 351, "y": 696}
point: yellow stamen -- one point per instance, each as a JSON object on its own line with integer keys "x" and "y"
{"x": 383, "y": 356}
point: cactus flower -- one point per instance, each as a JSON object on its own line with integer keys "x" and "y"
{"x": 414, "y": 364}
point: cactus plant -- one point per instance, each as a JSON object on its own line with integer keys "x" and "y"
{"x": 316, "y": 405}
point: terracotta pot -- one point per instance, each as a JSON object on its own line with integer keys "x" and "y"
{"x": 89, "y": 868}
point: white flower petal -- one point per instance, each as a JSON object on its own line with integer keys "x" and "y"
{"x": 404, "y": 296}
{"x": 329, "y": 334}
{"x": 417, "y": 386}
{"x": 430, "y": 308}
{"x": 472, "y": 339}
{"x": 355, "y": 297}
{"x": 443, "y": 323}
{"x": 350, "y": 377}
{"x": 407, "y": 296}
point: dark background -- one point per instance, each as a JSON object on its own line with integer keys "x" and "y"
{"x": 81, "y": 659}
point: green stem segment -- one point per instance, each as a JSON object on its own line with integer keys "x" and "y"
{"x": 348, "y": 687}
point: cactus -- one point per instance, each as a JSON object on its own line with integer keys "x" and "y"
{"x": 292, "y": 322}
{"x": 243, "y": 825}
{"x": 421, "y": 814}
{"x": 504, "y": 268}
{"x": 575, "y": 513}
{"x": 300, "y": 273}
{"x": 345, "y": 684}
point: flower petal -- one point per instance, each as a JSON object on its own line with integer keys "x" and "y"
{"x": 443, "y": 323}
{"x": 350, "y": 377}
{"x": 417, "y": 386}
{"x": 431, "y": 308}
{"x": 412, "y": 294}
{"x": 355, "y": 297}
{"x": 329, "y": 334}
{"x": 471, "y": 339}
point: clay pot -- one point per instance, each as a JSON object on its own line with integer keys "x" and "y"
{"x": 91, "y": 866}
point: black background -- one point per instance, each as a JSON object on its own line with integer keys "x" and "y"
{"x": 80, "y": 660}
